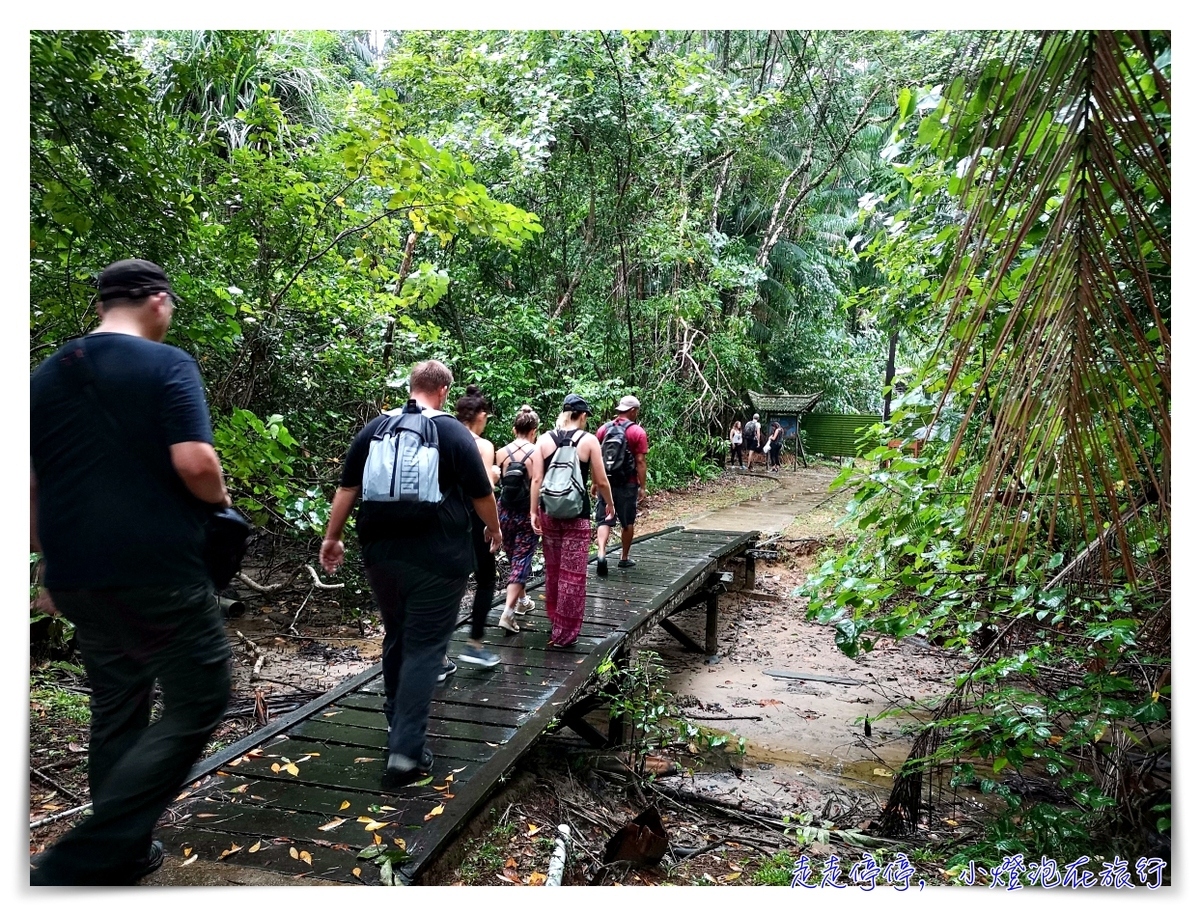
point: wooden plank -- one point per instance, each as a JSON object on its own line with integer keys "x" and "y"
{"x": 440, "y": 727}
{"x": 327, "y": 802}
{"x": 333, "y": 862}
{"x": 444, "y": 707}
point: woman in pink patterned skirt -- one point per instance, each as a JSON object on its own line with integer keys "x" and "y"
{"x": 565, "y": 542}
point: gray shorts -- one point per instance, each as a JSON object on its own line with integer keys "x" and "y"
{"x": 625, "y": 497}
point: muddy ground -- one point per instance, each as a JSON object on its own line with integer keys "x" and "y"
{"x": 780, "y": 713}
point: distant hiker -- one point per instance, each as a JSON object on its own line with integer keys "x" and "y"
{"x": 471, "y": 410}
{"x": 123, "y": 477}
{"x": 735, "y": 445}
{"x": 559, "y": 468}
{"x": 750, "y": 440}
{"x": 623, "y": 444}
{"x": 520, "y": 541}
{"x": 775, "y": 445}
{"x": 419, "y": 474}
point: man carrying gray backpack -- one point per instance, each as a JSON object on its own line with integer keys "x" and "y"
{"x": 419, "y": 473}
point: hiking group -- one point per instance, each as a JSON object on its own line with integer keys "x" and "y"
{"x": 124, "y": 480}
{"x": 748, "y": 444}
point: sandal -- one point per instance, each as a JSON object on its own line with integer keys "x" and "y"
{"x": 508, "y": 621}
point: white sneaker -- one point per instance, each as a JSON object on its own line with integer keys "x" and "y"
{"x": 524, "y": 605}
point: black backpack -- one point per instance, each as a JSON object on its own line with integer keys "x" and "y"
{"x": 618, "y": 459}
{"x": 514, "y": 482}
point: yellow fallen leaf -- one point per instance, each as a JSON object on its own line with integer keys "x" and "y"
{"x": 274, "y": 767}
{"x": 291, "y": 769}
{"x": 441, "y": 787}
{"x": 229, "y": 851}
{"x": 401, "y": 843}
{"x": 435, "y": 812}
{"x": 292, "y": 851}
{"x": 332, "y": 824}
{"x": 729, "y": 878}
{"x": 306, "y": 857}
{"x": 330, "y": 714}
{"x": 450, "y": 777}
{"x": 192, "y": 860}
{"x": 310, "y": 755}
{"x": 536, "y": 879}
{"x": 357, "y": 872}
{"x": 187, "y": 851}
{"x": 255, "y": 847}
{"x": 950, "y": 822}
{"x": 534, "y": 830}
{"x": 240, "y": 789}
{"x": 375, "y": 837}
{"x": 345, "y": 804}
{"x": 883, "y": 773}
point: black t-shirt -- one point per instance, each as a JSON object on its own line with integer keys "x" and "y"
{"x": 112, "y": 511}
{"x": 443, "y": 543}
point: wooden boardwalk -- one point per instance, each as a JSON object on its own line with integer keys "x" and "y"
{"x": 302, "y": 796}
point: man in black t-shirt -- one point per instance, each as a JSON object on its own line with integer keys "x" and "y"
{"x": 417, "y": 570}
{"x": 122, "y": 477}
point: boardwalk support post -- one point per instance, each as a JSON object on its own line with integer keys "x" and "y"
{"x": 710, "y": 628}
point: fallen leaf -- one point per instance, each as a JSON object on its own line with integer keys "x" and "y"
{"x": 372, "y": 825}
{"x": 345, "y": 804}
{"x": 192, "y": 860}
{"x": 435, "y": 812}
{"x": 203, "y": 816}
{"x": 240, "y": 789}
{"x": 257, "y": 751}
{"x": 187, "y": 851}
{"x": 460, "y": 769}
{"x": 274, "y": 767}
{"x": 76, "y": 748}
{"x": 291, "y": 769}
{"x": 292, "y": 851}
{"x": 537, "y": 879}
{"x": 950, "y": 822}
{"x": 359, "y": 759}
{"x": 729, "y": 878}
{"x": 376, "y": 838}
{"x": 490, "y": 744}
{"x": 332, "y": 824}
{"x": 384, "y": 807}
{"x": 883, "y": 773}
{"x": 255, "y": 847}
{"x": 511, "y": 862}
{"x": 229, "y": 851}
{"x": 306, "y": 857}
{"x": 330, "y": 714}
{"x": 313, "y": 754}
{"x": 357, "y": 872}
{"x": 183, "y": 795}
{"x": 441, "y": 787}
{"x": 533, "y": 830}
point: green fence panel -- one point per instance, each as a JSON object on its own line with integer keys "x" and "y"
{"x": 834, "y": 434}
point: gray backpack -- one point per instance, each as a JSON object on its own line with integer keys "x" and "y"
{"x": 402, "y": 462}
{"x": 562, "y": 485}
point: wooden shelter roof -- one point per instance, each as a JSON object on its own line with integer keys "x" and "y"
{"x": 778, "y": 404}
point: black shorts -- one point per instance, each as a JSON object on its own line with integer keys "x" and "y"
{"x": 625, "y": 495}
{"x": 751, "y": 442}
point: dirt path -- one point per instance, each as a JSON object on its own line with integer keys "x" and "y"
{"x": 783, "y": 685}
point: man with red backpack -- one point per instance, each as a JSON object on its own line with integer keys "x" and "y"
{"x": 623, "y": 444}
